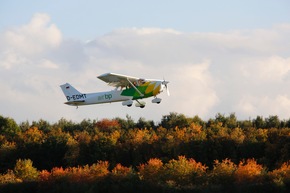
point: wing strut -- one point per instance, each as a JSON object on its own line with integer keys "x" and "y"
{"x": 135, "y": 87}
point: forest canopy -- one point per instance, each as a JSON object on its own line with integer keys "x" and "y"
{"x": 179, "y": 153}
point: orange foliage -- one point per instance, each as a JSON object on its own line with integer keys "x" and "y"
{"x": 79, "y": 174}
{"x": 120, "y": 171}
{"x": 57, "y": 173}
{"x": 249, "y": 171}
{"x": 151, "y": 170}
{"x": 83, "y": 137}
{"x": 76, "y": 174}
{"x": 107, "y": 124}
{"x": 44, "y": 175}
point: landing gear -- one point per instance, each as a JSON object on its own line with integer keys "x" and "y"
{"x": 127, "y": 103}
{"x": 156, "y": 100}
{"x": 140, "y": 104}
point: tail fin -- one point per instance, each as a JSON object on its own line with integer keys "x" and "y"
{"x": 69, "y": 90}
{"x": 73, "y": 96}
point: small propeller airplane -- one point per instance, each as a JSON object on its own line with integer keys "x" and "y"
{"x": 127, "y": 89}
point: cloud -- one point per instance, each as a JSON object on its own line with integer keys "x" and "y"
{"x": 241, "y": 71}
{"x": 193, "y": 83}
{"x": 252, "y": 106}
{"x": 33, "y": 38}
{"x": 271, "y": 69}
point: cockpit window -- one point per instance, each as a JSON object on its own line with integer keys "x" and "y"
{"x": 141, "y": 81}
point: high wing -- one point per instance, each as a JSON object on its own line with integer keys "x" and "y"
{"x": 118, "y": 80}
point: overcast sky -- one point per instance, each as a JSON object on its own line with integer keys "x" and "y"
{"x": 219, "y": 56}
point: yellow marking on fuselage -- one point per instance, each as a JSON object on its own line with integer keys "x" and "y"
{"x": 156, "y": 90}
{"x": 150, "y": 88}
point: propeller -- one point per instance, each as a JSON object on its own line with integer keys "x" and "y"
{"x": 165, "y": 84}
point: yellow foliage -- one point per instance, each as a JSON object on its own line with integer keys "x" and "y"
{"x": 25, "y": 171}
{"x": 9, "y": 177}
{"x": 100, "y": 169}
{"x": 32, "y": 135}
{"x": 223, "y": 171}
{"x": 281, "y": 175}
{"x": 184, "y": 171}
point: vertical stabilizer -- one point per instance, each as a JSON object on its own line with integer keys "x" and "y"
{"x": 69, "y": 90}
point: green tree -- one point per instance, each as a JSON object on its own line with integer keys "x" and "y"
{"x": 272, "y": 122}
{"x": 197, "y": 120}
{"x": 42, "y": 125}
{"x": 174, "y": 120}
{"x": 231, "y": 121}
{"x": 259, "y": 122}
{"x": 143, "y": 123}
{"x": 126, "y": 124}
{"x": 8, "y": 127}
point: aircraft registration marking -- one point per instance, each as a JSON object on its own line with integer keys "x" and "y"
{"x": 76, "y": 97}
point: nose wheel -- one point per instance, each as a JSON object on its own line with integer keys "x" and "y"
{"x": 156, "y": 100}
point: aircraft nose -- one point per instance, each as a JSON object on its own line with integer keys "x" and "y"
{"x": 165, "y": 84}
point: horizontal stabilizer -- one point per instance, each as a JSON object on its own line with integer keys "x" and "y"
{"x": 80, "y": 102}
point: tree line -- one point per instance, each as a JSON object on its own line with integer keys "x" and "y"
{"x": 179, "y": 154}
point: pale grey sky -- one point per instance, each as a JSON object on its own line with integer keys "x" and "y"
{"x": 219, "y": 56}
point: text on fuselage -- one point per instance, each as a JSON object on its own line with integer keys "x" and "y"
{"x": 76, "y": 97}
{"x": 105, "y": 97}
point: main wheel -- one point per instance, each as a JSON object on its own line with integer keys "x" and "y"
{"x": 142, "y": 106}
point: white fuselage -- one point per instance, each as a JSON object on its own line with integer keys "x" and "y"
{"x": 99, "y": 97}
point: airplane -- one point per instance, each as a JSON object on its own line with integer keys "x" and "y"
{"x": 127, "y": 90}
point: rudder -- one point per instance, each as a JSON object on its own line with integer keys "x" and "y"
{"x": 69, "y": 90}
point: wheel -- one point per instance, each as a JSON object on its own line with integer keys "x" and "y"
{"x": 129, "y": 105}
{"x": 142, "y": 106}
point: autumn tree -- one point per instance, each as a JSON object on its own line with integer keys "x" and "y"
{"x": 184, "y": 171}
{"x": 152, "y": 170}
{"x": 249, "y": 171}
{"x": 107, "y": 125}
{"x": 25, "y": 171}
{"x": 223, "y": 172}
{"x": 281, "y": 176}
